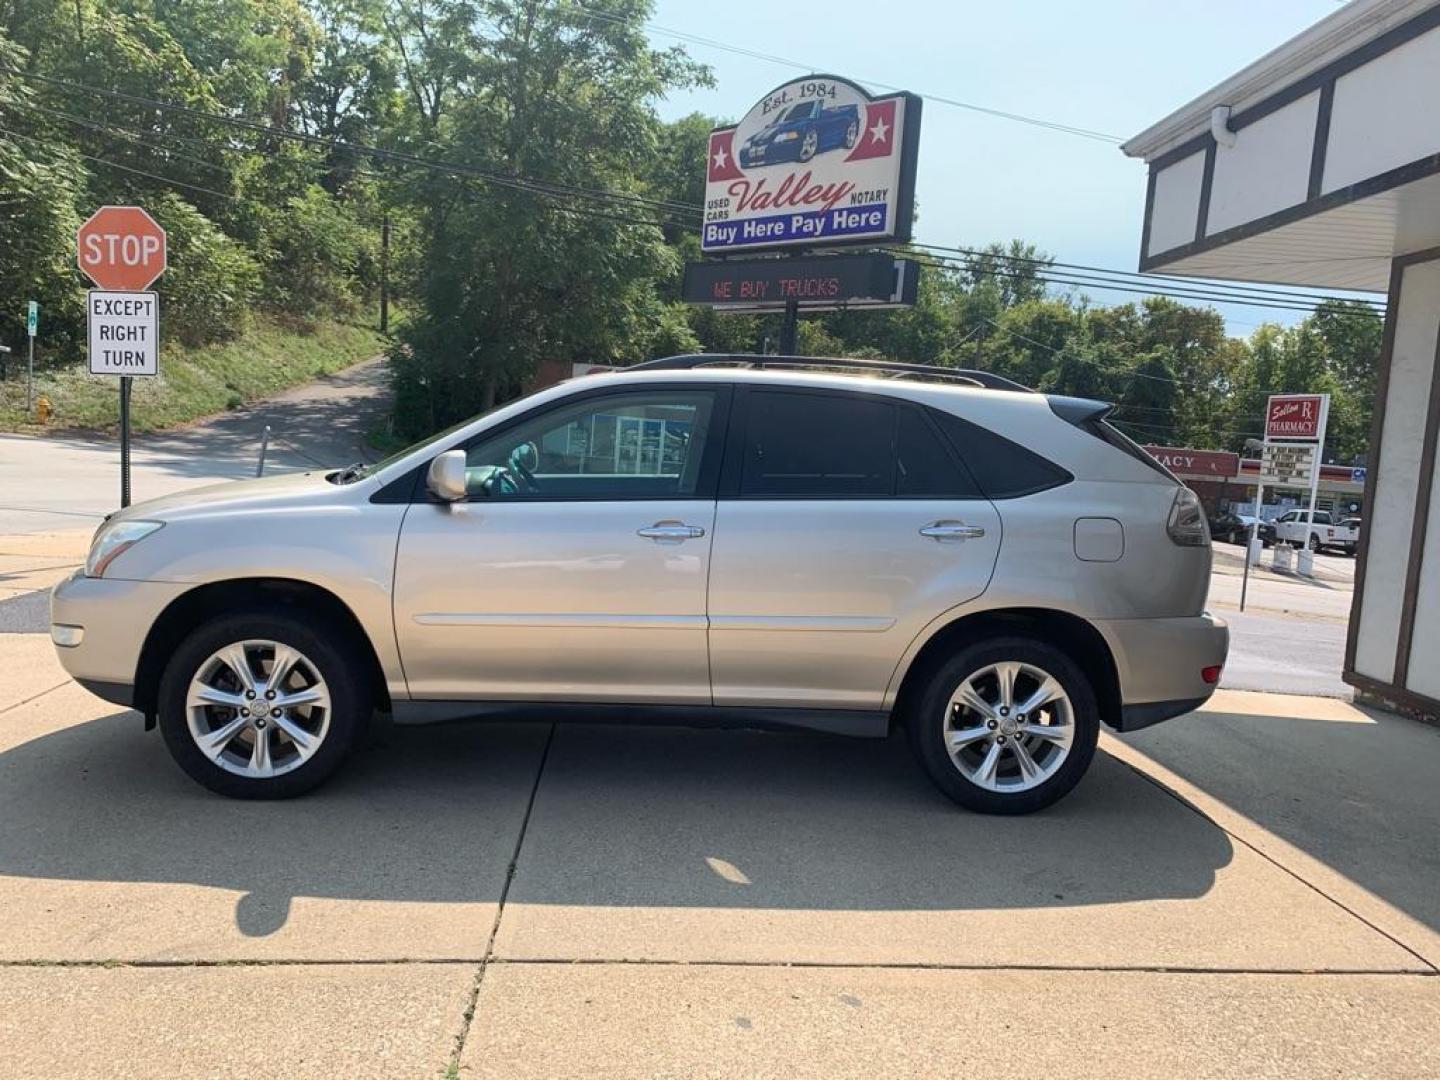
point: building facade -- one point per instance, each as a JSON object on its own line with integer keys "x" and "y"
{"x": 1319, "y": 165}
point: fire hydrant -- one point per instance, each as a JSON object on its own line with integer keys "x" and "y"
{"x": 43, "y": 409}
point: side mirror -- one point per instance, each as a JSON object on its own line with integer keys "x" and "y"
{"x": 446, "y": 478}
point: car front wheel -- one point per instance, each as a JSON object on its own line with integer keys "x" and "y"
{"x": 263, "y": 706}
{"x": 1006, "y": 726}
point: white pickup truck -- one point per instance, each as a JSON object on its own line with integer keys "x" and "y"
{"x": 1295, "y": 528}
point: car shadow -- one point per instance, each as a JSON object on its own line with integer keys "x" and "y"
{"x": 621, "y": 815}
{"x": 1356, "y": 792}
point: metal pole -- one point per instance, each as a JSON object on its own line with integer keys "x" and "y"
{"x": 1254, "y": 531}
{"x": 124, "y": 441}
{"x": 385, "y": 275}
{"x": 1319, "y": 454}
{"x": 264, "y": 445}
{"x": 30, "y": 382}
{"x": 788, "y": 326}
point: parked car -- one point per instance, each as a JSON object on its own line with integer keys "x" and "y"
{"x": 802, "y": 131}
{"x": 1295, "y": 528}
{"x": 997, "y": 570}
{"x": 1235, "y": 528}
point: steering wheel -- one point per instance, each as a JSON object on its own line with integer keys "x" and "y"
{"x": 516, "y": 466}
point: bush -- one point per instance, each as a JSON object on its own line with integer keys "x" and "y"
{"x": 312, "y": 249}
{"x": 212, "y": 283}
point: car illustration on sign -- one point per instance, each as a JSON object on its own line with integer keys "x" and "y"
{"x": 802, "y": 131}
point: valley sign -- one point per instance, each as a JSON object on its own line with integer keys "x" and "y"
{"x": 816, "y": 163}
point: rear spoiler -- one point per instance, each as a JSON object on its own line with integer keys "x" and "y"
{"x": 1079, "y": 411}
{"x": 1089, "y": 416}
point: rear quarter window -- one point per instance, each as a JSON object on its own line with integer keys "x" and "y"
{"x": 1002, "y": 469}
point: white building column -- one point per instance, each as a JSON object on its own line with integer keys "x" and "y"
{"x": 1393, "y": 650}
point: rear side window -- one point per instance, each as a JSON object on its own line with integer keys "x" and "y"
{"x": 803, "y": 444}
{"x": 924, "y": 465}
{"x": 1003, "y": 469}
{"x": 818, "y": 445}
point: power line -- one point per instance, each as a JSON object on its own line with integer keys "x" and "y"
{"x": 1185, "y": 282}
{"x": 712, "y": 43}
{"x": 1108, "y": 279}
{"x": 1211, "y": 296}
{"x": 128, "y": 168}
{"x": 552, "y": 189}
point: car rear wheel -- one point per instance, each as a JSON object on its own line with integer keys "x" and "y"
{"x": 1006, "y": 726}
{"x": 852, "y": 135}
{"x": 808, "y": 145}
{"x": 1314, "y": 543}
{"x": 262, "y": 706}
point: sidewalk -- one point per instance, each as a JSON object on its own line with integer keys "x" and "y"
{"x": 1250, "y": 889}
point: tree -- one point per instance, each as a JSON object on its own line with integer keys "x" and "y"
{"x": 512, "y": 275}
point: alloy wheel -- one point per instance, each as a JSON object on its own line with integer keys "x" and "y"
{"x": 1009, "y": 726}
{"x": 258, "y": 708}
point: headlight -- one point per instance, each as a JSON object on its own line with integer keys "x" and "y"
{"x": 111, "y": 540}
{"x": 787, "y": 136}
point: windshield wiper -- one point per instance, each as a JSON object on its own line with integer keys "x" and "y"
{"x": 351, "y": 472}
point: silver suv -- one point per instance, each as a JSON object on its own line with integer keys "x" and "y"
{"x": 835, "y": 545}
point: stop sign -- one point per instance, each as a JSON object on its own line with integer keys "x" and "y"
{"x": 121, "y": 248}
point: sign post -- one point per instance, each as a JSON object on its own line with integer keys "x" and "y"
{"x": 122, "y": 250}
{"x": 32, "y": 324}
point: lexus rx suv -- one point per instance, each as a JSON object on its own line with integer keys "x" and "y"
{"x": 837, "y": 545}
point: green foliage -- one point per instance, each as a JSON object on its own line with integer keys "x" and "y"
{"x": 195, "y": 381}
{"x": 312, "y": 250}
{"x": 212, "y": 283}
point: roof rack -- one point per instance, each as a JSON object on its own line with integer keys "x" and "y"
{"x": 986, "y": 379}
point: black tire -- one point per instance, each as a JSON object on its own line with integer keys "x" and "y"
{"x": 809, "y": 144}
{"x": 326, "y": 647}
{"x": 926, "y": 723}
{"x": 1314, "y": 543}
{"x": 852, "y": 135}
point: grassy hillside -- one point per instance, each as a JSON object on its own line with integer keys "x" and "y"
{"x": 193, "y": 382}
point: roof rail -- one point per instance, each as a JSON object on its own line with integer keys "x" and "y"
{"x": 986, "y": 379}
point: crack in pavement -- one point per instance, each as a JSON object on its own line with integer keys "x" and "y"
{"x": 469, "y": 1014}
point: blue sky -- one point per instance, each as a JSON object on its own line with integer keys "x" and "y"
{"x": 1113, "y": 66}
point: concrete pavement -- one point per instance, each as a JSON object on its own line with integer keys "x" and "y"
{"x": 1250, "y": 889}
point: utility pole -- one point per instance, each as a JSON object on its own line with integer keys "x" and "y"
{"x": 385, "y": 275}
{"x": 788, "y": 326}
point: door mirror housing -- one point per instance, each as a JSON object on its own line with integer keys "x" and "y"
{"x": 446, "y": 478}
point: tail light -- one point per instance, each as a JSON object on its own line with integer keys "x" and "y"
{"x": 1211, "y": 674}
{"x": 1187, "y": 520}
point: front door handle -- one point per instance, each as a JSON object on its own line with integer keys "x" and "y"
{"x": 952, "y": 530}
{"x": 670, "y": 532}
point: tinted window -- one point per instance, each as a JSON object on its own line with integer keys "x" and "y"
{"x": 616, "y": 446}
{"x": 818, "y": 445}
{"x": 1003, "y": 469}
{"x": 923, "y": 464}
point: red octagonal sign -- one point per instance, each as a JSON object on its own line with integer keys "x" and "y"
{"x": 121, "y": 248}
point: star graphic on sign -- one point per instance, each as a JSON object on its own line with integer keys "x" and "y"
{"x": 720, "y": 157}
{"x": 879, "y": 130}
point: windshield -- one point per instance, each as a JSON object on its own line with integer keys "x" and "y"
{"x": 349, "y": 476}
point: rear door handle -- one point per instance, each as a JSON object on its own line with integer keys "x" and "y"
{"x": 952, "y": 530}
{"x": 670, "y": 532}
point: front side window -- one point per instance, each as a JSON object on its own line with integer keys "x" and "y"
{"x": 618, "y": 446}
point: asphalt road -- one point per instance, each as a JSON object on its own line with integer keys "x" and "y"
{"x": 60, "y": 482}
